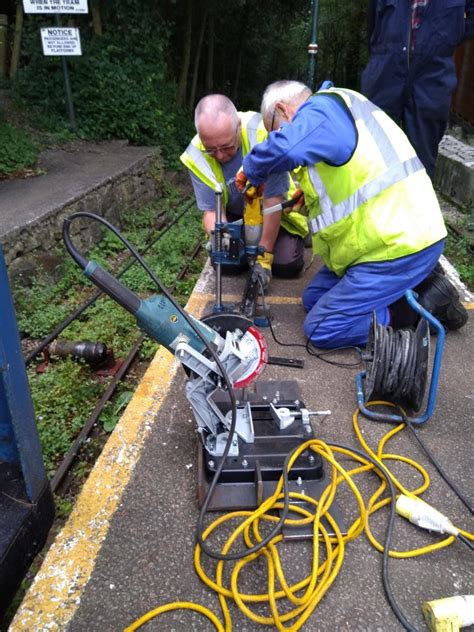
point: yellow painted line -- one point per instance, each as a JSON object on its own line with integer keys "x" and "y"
{"x": 55, "y": 594}
{"x": 235, "y": 298}
{"x": 275, "y": 300}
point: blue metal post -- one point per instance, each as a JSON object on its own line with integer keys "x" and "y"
{"x": 19, "y": 440}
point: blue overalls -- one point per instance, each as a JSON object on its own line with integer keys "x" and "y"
{"x": 415, "y": 87}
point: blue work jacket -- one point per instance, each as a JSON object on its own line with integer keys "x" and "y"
{"x": 393, "y": 69}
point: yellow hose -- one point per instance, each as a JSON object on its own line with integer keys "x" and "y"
{"x": 327, "y": 550}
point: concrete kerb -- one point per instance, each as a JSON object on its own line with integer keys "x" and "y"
{"x": 76, "y": 181}
{"x": 455, "y": 172}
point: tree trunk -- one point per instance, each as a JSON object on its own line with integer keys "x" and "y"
{"x": 238, "y": 64}
{"x": 354, "y": 44}
{"x": 17, "y": 40}
{"x": 197, "y": 59}
{"x": 96, "y": 18}
{"x": 210, "y": 54}
{"x": 186, "y": 57}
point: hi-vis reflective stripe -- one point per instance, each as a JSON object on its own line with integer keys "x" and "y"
{"x": 202, "y": 164}
{"x": 363, "y": 111}
{"x": 395, "y": 174}
{"x": 249, "y": 139}
{"x": 252, "y": 127}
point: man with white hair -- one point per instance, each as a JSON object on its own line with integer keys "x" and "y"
{"x": 373, "y": 213}
{"x": 224, "y": 136}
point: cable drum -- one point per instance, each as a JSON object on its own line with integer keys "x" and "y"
{"x": 397, "y": 363}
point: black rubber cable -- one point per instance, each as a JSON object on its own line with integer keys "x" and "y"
{"x": 307, "y": 346}
{"x": 436, "y": 464}
{"x": 393, "y": 358}
{"x": 465, "y": 540}
{"x": 388, "y": 537}
{"x": 82, "y": 308}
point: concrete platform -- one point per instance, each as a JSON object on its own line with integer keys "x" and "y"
{"x": 103, "y": 178}
{"x": 128, "y": 544}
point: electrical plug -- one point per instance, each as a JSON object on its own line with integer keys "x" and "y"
{"x": 449, "y": 614}
{"x": 423, "y": 515}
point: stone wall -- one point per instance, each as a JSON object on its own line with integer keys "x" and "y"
{"x": 455, "y": 172}
{"x": 26, "y": 246}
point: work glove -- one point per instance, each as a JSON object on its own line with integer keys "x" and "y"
{"x": 263, "y": 269}
{"x": 247, "y": 188}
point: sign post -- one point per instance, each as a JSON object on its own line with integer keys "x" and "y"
{"x": 58, "y": 40}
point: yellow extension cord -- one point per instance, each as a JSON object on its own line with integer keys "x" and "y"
{"x": 323, "y": 574}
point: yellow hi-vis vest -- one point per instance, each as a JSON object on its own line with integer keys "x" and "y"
{"x": 379, "y": 205}
{"x": 209, "y": 170}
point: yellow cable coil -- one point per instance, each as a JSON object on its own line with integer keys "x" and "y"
{"x": 307, "y": 593}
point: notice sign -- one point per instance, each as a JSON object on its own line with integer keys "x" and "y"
{"x": 55, "y": 6}
{"x": 58, "y": 40}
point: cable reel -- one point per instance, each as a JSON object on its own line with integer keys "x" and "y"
{"x": 397, "y": 363}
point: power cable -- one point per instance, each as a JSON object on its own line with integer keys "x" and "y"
{"x": 446, "y": 478}
{"x": 308, "y": 345}
{"x": 82, "y": 308}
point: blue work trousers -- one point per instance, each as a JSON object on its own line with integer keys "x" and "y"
{"x": 340, "y": 308}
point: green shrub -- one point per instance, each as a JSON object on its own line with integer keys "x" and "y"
{"x": 17, "y": 151}
{"x": 120, "y": 86}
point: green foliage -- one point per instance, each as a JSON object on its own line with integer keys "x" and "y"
{"x": 112, "y": 411}
{"x": 117, "y": 93}
{"x": 459, "y": 251}
{"x": 17, "y": 151}
{"x": 148, "y": 349}
{"x": 44, "y": 304}
{"x": 63, "y": 397}
{"x": 63, "y": 506}
{"x": 106, "y": 322}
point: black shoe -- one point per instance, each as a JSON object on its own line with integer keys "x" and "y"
{"x": 439, "y": 297}
{"x": 402, "y": 316}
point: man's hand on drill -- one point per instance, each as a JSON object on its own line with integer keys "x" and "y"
{"x": 247, "y": 188}
{"x": 262, "y": 269}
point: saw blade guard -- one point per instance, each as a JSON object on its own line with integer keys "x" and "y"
{"x": 244, "y": 352}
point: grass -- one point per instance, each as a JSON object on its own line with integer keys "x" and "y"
{"x": 459, "y": 251}
{"x": 459, "y": 246}
{"x": 17, "y": 151}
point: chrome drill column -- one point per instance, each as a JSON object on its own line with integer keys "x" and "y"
{"x": 218, "y": 248}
